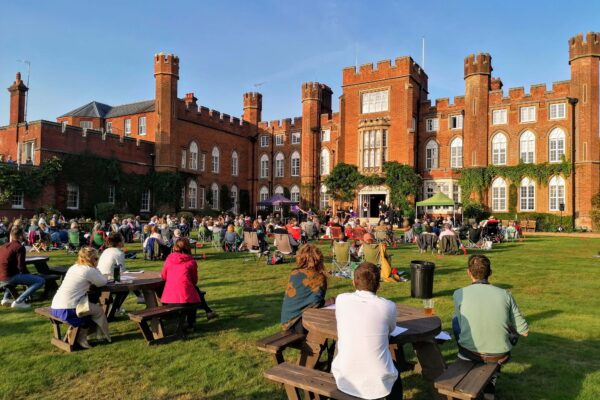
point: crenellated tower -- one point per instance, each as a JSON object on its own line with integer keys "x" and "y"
{"x": 316, "y": 100}
{"x": 166, "y": 75}
{"x": 252, "y": 107}
{"x": 478, "y": 70}
{"x": 18, "y": 91}
{"x": 584, "y": 58}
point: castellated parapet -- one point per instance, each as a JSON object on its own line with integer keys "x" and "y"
{"x": 166, "y": 64}
{"x": 590, "y": 47}
{"x": 480, "y": 64}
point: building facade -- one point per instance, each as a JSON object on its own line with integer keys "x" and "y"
{"x": 384, "y": 115}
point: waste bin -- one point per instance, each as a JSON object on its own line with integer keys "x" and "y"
{"x": 421, "y": 281}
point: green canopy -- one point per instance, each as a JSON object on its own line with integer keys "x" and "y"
{"x": 438, "y": 199}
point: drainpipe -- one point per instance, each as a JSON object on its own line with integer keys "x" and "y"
{"x": 573, "y": 102}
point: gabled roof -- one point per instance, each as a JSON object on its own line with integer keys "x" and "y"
{"x": 100, "y": 110}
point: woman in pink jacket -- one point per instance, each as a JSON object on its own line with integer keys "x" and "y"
{"x": 180, "y": 274}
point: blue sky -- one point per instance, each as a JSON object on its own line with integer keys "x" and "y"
{"x": 83, "y": 50}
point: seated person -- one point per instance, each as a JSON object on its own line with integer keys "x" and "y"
{"x": 434, "y": 228}
{"x": 260, "y": 234}
{"x": 388, "y": 274}
{"x": 486, "y": 320}
{"x": 13, "y": 270}
{"x": 73, "y": 289}
{"x": 417, "y": 227}
{"x": 447, "y": 231}
{"x": 113, "y": 256}
{"x": 180, "y": 274}
{"x": 231, "y": 240}
{"x": 510, "y": 231}
{"x": 306, "y": 287}
{"x": 280, "y": 229}
{"x": 474, "y": 233}
{"x": 164, "y": 249}
{"x": 363, "y": 366}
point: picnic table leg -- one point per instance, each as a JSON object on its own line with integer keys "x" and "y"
{"x": 431, "y": 362}
{"x": 399, "y": 357}
{"x": 151, "y": 300}
{"x": 111, "y": 303}
{"x": 311, "y": 350}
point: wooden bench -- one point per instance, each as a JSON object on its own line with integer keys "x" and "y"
{"x": 156, "y": 315}
{"x": 275, "y": 344}
{"x": 316, "y": 383}
{"x": 67, "y": 342}
{"x": 465, "y": 379}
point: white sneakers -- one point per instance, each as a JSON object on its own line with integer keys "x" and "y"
{"x": 6, "y": 302}
{"x": 22, "y": 306}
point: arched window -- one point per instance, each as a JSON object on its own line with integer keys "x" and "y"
{"x": 215, "y": 160}
{"x": 431, "y": 155}
{"x": 263, "y": 194}
{"x": 279, "y": 165}
{"x": 193, "y": 155}
{"x": 527, "y": 144}
{"x": 527, "y": 191}
{"x": 295, "y": 193}
{"x": 295, "y": 164}
{"x": 456, "y": 153}
{"x": 234, "y": 194}
{"x": 184, "y": 158}
{"x": 324, "y": 162}
{"x": 557, "y": 192}
{"x": 278, "y": 189}
{"x": 192, "y": 195}
{"x": 324, "y": 198}
{"x": 499, "y": 195}
{"x": 215, "y": 196}
{"x": 499, "y": 149}
{"x": 556, "y": 145}
{"x": 234, "y": 164}
{"x": 264, "y": 166}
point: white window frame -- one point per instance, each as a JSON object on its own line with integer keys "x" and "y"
{"x": 72, "y": 197}
{"x": 527, "y": 195}
{"x": 263, "y": 194}
{"x": 234, "y": 195}
{"x": 109, "y": 126}
{"x": 279, "y": 165}
{"x": 234, "y": 163}
{"x": 324, "y": 162}
{"x": 295, "y": 164}
{"x": 527, "y": 114}
{"x": 203, "y": 162}
{"x": 374, "y": 101}
{"x": 127, "y": 126}
{"x": 500, "y": 117}
{"x": 86, "y": 125}
{"x": 527, "y": 147}
{"x": 296, "y": 138}
{"x": 142, "y": 126}
{"x": 456, "y": 153}
{"x": 17, "y": 200}
{"x": 324, "y": 198}
{"x": 215, "y": 195}
{"x": 193, "y": 152}
{"x": 499, "y": 149}
{"x": 279, "y": 139}
{"x": 499, "y": 195}
{"x": 145, "y": 201}
{"x": 556, "y": 191}
{"x": 264, "y": 166}
{"x": 183, "y": 158}
{"x": 455, "y": 122}
{"x": 556, "y": 145}
{"x": 373, "y": 148}
{"x": 28, "y": 152}
{"x": 431, "y": 155}
{"x": 264, "y": 141}
{"x": 432, "y": 124}
{"x": 112, "y": 194}
{"x": 325, "y": 135}
{"x": 557, "y": 111}
{"x": 295, "y": 193}
{"x": 201, "y": 197}
{"x": 192, "y": 195}
{"x": 216, "y": 160}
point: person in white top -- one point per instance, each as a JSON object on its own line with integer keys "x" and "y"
{"x": 73, "y": 292}
{"x": 363, "y": 366}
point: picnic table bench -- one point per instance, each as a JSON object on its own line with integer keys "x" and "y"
{"x": 296, "y": 378}
{"x": 66, "y": 342}
{"x": 465, "y": 379}
{"x": 156, "y": 336}
{"x": 275, "y": 344}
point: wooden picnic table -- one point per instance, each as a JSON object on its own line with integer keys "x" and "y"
{"x": 422, "y": 329}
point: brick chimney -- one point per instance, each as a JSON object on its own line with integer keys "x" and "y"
{"x": 18, "y": 91}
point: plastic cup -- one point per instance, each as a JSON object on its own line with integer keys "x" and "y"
{"x": 428, "y": 306}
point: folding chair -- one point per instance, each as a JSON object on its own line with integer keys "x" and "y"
{"x": 372, "y": 253}
{"x": 358, "y": 233}
{"x": 341, "y": 259}
{"x": 230, "y": 246}
{"x": 216, "y": 240}
{"x": 73, "y": 243}
{"x": 202, "y": 234}
{"x": 336, "y": 233}
{"x": 252, "y": 244}
{"x": 282, "y": 242}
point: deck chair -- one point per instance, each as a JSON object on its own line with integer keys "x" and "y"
{"x": 252, "y": 244}
{"x": 358, "y": 233}
{"x": 450, "y": 245}
{"x": 73, "y": 243}
{"x": 230, "y": 247}
{"x": 282, "y": 242}
{"x": 202, "y": 234}
{"x": 98, "y": 240}
{"x": 216, "y": 240}
{"x": 372, "y": 253}
{"x": 341, "y": 260}
{"x": 336, "y": 233}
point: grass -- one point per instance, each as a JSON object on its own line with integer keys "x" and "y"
{"x": 554, "y": 280}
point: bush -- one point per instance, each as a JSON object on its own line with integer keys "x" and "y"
{"x": 105, "y": 211}
{"x": 544, "y": 222}
{"x": 475, "y": 211}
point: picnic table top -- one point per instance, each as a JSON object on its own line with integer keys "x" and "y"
{"x": 34, "y": 259}
{"x": 133, "y": 281}
{"x": 420, "y": 327}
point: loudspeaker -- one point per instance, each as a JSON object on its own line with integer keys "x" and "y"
{"x": 561, "y": 207}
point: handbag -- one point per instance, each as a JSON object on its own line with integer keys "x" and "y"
{"x": 83, "y": 306}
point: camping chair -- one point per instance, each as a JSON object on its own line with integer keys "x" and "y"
{"x": 216, "y": 240}
{"x": 450, "y": 245}
{"x": 202, "y": 234}
{"x": 336, "y": 233}
{"x": 381, "y": 236}
{"x": 98, "y": 240}
{"x": 358, "y": 233}
{"x": 309, "y": 229}
{"x": 282, "y": 242}
{"x": 372, "y": 253}
{"x": 239, "y": 230}
{"x": 152, "y": 250}
{"x": 491, "y": 232}
{"x": 231, "y": 246}
{"x": 252, "y": 244}
{"x": 73, "y": 243}
{"x": 341, "y": 261}
{"x": 474, "y": 237}
{"x": 427, "y": 241}
{"x": 511, "y": 234}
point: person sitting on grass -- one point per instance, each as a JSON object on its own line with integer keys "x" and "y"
{"x": 180, "y": 274}
{"x": 487, "y": 321}
{"x": 13, "y": 270}
{"x": 231, "y": 240}
{"x": 363, "y": 366}
{"x": 70, "y": 303}
{"x": 306, "y": 287}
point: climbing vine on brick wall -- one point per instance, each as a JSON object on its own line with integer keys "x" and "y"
{"x": 27, "y": 179}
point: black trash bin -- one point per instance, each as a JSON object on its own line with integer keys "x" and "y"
{"x": 421, "y": 281}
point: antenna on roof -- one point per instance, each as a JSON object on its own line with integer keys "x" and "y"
{"x": 258, "y": 85}
{"x": 355, "y": 55}
{"x": 28, "y": 63}
{"x": 423, "y": 53}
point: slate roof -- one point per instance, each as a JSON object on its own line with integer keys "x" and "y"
{"x": 100, "y": 110}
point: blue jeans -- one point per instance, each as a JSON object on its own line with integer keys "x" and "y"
{"x": 33, "y": 283}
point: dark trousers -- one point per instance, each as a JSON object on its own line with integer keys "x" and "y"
{"x": 397, "y": 392}
{"x": 192, "y": 308}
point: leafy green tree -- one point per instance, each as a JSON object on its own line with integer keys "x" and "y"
{"x": 403, "y": 182}
{"x": 342, "y": 182}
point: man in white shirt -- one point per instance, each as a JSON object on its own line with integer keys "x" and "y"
{"x": 363, "y": 366}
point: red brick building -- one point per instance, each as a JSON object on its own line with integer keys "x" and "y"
{"x": 385, "y": 115}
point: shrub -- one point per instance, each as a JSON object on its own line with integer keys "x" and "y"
{"x": 544, "y": 222}
{"x": 474, "y": 210}
{"x": 105, "y": 211}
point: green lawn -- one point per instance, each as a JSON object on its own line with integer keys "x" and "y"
{"x": 554, "y": 280}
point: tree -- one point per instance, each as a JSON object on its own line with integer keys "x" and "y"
{"x": 342, "y": 182}
{"x": 403, "y": 182}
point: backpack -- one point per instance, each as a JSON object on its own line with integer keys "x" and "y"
{"x": 275, "y": 258}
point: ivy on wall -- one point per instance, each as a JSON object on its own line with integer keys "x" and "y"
{"x": 27, "y": 179}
